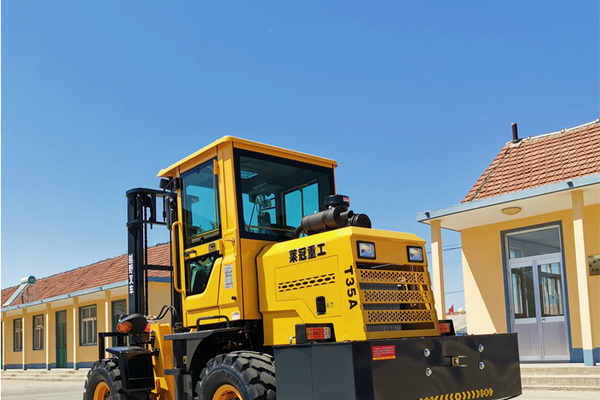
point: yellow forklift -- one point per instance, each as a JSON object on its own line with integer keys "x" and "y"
{"x": 279, "y": 290}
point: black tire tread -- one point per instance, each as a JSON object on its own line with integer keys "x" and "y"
{"x": 111, "y": 368}
{"x": 256, "y": 369}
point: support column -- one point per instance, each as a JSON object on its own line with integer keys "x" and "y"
{"x": 75, "y": 334}
{"x": 47, "y": 335}
{"x": 107, "y": 316}
{"x": 107, "y": 320}
{"x": 3, "y": 319}
{"x": 582, "y": 278}
{"x": 24, "y": 335}
{"x": 437, "y": 267}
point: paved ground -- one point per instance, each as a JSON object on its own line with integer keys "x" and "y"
{"x": 29, "y": 390}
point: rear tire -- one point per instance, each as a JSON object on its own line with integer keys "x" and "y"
{"x": 104, "y": 383}
{"x": 241, "y": 375}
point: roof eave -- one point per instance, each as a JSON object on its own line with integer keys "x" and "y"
{"x": 66, "y": 296}
{"x": 576, "y": 183}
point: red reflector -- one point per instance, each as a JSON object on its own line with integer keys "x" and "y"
{"x": 318, "y": 333}
{"x": 445, "y": 327}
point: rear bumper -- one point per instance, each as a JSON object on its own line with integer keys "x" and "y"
{"x": 432, "y": 368}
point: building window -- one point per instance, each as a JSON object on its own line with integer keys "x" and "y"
{"x": 87, "y": 316}
{"x": 533, "y": 243}
{"x": 38, "y": 332}
{"x": 18, "y": 335}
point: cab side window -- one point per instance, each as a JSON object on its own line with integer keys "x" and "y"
{"x": 200, "y": 204}
{"x": 198, "y": 271}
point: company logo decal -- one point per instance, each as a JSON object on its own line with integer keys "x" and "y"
{"x": 307, "y": 253}
{"x": 130, "y": 274}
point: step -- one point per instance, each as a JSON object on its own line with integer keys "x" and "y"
{"x": 559, "y": 369}
{"x": 568, "y": 377}
{"x": 562, "y": 380}
{"x": 542, "y": 388}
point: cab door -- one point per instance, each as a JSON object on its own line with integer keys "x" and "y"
{"x": 204, "y": 273}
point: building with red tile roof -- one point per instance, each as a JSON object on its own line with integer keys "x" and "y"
{"x": 530, "y": 233}
{"x": 541, "y": 160}
{"x": 109, "y": 272}
{"x": 62, "y": 308}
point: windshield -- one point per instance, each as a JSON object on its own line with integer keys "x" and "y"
{"x": 276, "y": 193}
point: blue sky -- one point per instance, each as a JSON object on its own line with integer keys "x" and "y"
{"x": 413, "y": 99}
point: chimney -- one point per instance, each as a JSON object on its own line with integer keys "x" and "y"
{"x": 515, "y": 133}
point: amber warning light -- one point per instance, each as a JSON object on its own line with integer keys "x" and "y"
{"x": 134, "y": 323}
{"x": 124, "y": 327}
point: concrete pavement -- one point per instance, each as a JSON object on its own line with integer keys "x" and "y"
{"x": 15, "y": 389}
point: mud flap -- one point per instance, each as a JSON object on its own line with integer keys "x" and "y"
{"x": 135, "y": 364}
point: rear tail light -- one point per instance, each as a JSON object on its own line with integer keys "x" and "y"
{"x": 446, "y": 327}
{"x": 314, "y": 333}
{"x": 318, "y": 333}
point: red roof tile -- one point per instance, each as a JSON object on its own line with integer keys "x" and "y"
{"x": 541, "y": 160}
{"x": 102, "y": 273}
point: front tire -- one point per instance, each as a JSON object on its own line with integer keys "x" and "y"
{"x": 240, "y": 375}
{"x": 104, "y": 383}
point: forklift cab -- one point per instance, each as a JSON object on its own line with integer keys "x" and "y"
{"x": 233, "y": 199}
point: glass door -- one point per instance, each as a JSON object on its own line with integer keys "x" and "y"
{"x": 537, "y": 300}
{"x": 525, "y": 310}
{"x": 552, "y": 313}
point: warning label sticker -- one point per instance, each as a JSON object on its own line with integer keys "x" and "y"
{"x": 384, "y": 352}
{"x": 228, "y": 272}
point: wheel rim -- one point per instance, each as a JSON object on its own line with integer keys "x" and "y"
{"x": 226, "y": 392}
{"x": 102, "y": 391}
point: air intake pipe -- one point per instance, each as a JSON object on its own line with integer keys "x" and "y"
{"x": 335, "y": 216}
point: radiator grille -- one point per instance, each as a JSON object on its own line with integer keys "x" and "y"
{"x": 396, "y": 299}
{"x": 394, "y": 296}
{"x": 397, "y": 316}
{"x": 398, "y": 277}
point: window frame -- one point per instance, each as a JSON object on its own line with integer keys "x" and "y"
{"x": 188, "y": 270}
{"x": 208, "y": 236}
{"x": 19, "y": 331}
{"x": 84, "y": 322}
{"x": 38, "y": 329}
{"x": 322, "y": 190}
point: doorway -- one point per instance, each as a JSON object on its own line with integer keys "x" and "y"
{"x": 537, "y": 294}
{"x": 119, "y": 310}
{"x": 61, "y": 339}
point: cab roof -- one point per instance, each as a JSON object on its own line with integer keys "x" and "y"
{"x": 201, "y": 154}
